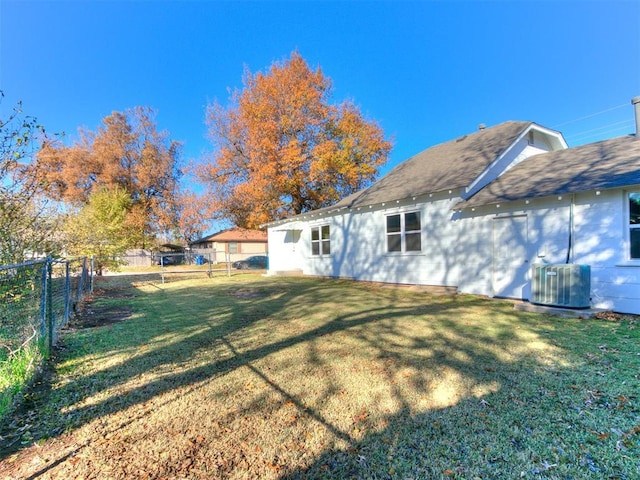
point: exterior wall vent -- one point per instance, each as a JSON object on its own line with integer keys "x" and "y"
{"x": 563, "y": 285}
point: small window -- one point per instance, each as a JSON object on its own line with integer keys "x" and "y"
{"x": 321, "y": 240}
{"x": 634, "y": 225}
{"x": 394, "y": 234}
{"x": 233, "y": 247}
{"x": 404, "y": 232}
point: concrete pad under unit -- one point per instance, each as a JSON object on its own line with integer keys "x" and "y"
{"x": 560, "y": 311}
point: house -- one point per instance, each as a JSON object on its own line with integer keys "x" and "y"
{"x": 476, "y": 213}
{"x": 234, "y": 243}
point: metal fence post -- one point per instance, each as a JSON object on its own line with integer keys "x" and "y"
{"x": 50, "y": 302}
{"x": 44, "y": 298}
{"x": 83, "y": 280}
{"x": 67, "y": 294}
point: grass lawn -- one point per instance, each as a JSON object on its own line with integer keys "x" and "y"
{"x": 253, "y": 377}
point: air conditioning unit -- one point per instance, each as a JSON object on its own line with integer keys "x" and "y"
{"x": 564, "y": 285}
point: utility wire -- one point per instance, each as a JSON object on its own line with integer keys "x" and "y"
{"x": 582, "y": 138}
{"x": 591, "y": 115}
{"x": 618, "y": 124}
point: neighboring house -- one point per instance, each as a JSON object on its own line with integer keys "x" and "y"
{"x": 170, "y": 248}
{"x": 238, "y": 242}
{"x": 477, "y": 212}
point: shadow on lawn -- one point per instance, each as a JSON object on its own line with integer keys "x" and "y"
{"x": 233, "y": 314}
{"x": 230, "y": 314}
{"x": 196, "y": 324}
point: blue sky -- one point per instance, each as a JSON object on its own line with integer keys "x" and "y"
{"x": 427, "y": 71}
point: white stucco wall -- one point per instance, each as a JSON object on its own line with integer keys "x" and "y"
{"x": 600, "y": 240}
{"x": 358, "y": 245}
{"x": 458, "y": 248}
{"x": 285, "y": 249}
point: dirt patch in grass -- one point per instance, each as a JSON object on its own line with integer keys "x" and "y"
{"x": 617, "y": 317}
{"x": 92, "y": 314}
{"x": 247, "y": 293}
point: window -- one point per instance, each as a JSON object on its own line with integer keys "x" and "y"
{"x": 634, "y": 225}
{"x": 233, "y": 247}
{"x": 404, "y": 232}
{"x": 320, "y": 240}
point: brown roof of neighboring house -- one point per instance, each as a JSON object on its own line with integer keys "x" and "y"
{"x": 236, "y": 235}
{"x": 600, "y": 165}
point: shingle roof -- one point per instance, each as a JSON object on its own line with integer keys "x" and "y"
{"x": 236, "y": 235}
{"x": 450, "y": 165}
{"x": 601, "y": 165}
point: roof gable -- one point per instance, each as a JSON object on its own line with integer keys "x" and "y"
{"x": 607, "y": 164}
{"x": 468, "y": 162}
{"x": 236, "y": 235}
{"x": 450, "y": 165}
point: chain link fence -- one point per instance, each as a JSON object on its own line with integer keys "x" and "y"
{"x": 37, "y": 298}
{"x": 192, "y": 262}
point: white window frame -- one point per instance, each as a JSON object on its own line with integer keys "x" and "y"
{"x": 321, "y": 246}
{"x": 631, "y": 227}
{"x": 402, "y": 233}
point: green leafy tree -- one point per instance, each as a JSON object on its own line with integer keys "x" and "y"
{"x": 101, "y": 228}
{"x": 28, "y": 222}
{"x": 28, "y": 228}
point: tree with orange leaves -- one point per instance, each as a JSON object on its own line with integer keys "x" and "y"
{"x": 193, "y": 219}
{"x": 127, "y": 152}
{"x": 283, "y": 149}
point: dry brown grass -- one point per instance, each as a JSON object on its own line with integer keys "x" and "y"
{"x": 250, "y": 377}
